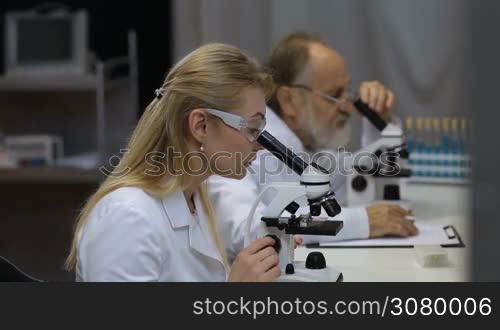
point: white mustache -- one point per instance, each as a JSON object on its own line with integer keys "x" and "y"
{"x": 342, "y": 120}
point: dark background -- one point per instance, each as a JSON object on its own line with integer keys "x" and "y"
{"x": 36, "y": 219}
{"x": 109, "y": 21}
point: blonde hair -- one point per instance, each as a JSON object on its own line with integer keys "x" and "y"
{"x": 211, "y": 76}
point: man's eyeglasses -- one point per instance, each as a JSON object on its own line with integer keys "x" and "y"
{"x": 251, "y": 129}
{"x": 347, "y": 96}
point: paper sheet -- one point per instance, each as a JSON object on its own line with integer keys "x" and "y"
{"x": 429, "y": 234}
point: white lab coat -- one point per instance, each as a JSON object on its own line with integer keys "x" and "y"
{"x": 233, "y": 199}
{"x": 133, "y": 236}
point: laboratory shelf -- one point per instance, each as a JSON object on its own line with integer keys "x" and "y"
{"x": 50, "y": 175}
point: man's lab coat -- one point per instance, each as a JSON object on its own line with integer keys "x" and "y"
{"x": 233, "y": 199}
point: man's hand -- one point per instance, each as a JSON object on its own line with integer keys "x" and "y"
{"x": 378, "y": 97}
{"x": 297, "y": 240}
{"x": 390, "y": 219}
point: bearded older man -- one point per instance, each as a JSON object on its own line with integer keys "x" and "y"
{"x": 310, "y": 112}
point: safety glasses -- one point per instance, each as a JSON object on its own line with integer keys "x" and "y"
{"x": 251, "y": 129}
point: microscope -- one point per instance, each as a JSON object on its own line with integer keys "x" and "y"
{"x": 380, "y": 176}
{"x": 280, "y": 219}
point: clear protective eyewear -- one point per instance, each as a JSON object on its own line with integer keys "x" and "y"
{"x": 347, "y": 97}
{"x": 250, "y": 129}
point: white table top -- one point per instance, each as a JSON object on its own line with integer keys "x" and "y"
{"x": 431, "y": 203}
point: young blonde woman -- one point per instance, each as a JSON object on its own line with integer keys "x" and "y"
{"x": 151, "y": 219}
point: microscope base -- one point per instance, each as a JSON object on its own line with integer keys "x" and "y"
{"x": 302, "y": 274}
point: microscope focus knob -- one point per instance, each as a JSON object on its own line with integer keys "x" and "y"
{"x": 315, "y": 260}
{"x": 277, "y": 244}
{"x": 359, "y": 183}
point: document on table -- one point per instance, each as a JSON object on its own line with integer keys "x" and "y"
{"x": 429, "y": 234}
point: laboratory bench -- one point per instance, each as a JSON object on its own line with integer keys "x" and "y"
{"x": 38, "y": 218}
{"x": 431, "y": 203}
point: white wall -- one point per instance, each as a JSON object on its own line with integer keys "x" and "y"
{"x": 244, "y": 23}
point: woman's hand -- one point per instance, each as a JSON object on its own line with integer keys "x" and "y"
{"x": 258, "y": 262}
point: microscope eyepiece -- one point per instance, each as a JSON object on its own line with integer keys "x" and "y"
{"x": 281, "y": 152}
{"x": 371, "y": 115}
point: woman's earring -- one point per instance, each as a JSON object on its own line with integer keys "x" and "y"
{"x": 202, "y": 148}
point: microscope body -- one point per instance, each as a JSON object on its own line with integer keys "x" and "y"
{"x": 281, "y": 221}
{"x": 382, "y": 177}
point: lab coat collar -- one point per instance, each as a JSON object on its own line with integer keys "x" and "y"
{"x": 176, "y": 207}
{"x": 177, "y": 210}
{"x": 200, "y": 237}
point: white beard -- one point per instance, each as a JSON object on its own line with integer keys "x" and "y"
{"x": 325, "y": 136}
